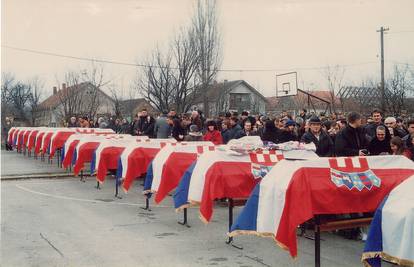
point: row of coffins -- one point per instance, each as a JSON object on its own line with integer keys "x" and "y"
{"x": 285, "y": 185}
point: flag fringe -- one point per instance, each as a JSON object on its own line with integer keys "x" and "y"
{"x": 386, "y": 257}
{"x": 182, "y": 207}
{"x": 250, "y": 232}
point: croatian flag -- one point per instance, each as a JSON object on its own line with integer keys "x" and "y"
{"x": 294, "y": 191}
{"x": 108, "y": 153}
{"x": 10, "y": 135}
{"x": 221, "y": 174}
{"x": 178, "y": 161}
{"x": 31, "y": 140}
{"x": 84, "y": 150}
{"x": 58, "y": 139}
{"x": 69, "y": 148}
{"x": 391, "y": 235}
{"x": 153, "y": 182}
{"x": 135, "y": 159}
{"x": 39, "y": 139}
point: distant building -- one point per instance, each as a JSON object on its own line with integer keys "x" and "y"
{"x": 130, "y": 107}
{"x": 231, "y": 95}
{"x": 82, "y": 99}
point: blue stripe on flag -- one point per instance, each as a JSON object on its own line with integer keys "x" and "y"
{"x": 181, "y": 193}
{"x": 374, "y": 240}
{"x": 93, "y": 162}
{"x": 149, "y": 177}
{"x": 74, "y": 157}
{"x": 62, "y": 154}
{"x": 119, "y": 169}
{"x": 247, "y": 219}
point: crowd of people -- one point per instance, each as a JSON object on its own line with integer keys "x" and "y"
{"x": 336, "y": 135}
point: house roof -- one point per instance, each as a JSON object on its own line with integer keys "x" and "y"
{"x": 133, "y": 102}
{"x": 54, "y": 100}
{"x": 214, "y": 90}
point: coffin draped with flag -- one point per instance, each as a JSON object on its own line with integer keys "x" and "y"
{"x": 294, "y": 191}
{"x": 391, "y": 235}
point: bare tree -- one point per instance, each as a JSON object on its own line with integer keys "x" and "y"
{"x": 94, "y": 77}
{"x": 208, "y": 46}
{"x": 117, "y": 95}
{"x": 334, "y": 76}
{"x": 156, "y": 83}
{"x": 35, "y": 86}
{"x": 186, "y": 58}
{"x": 70, "y": 96}
{"x": 398, "y": 87}
{"x": 7, "y": 83}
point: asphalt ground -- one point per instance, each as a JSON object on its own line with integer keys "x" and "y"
{"x": 66, "y": 222}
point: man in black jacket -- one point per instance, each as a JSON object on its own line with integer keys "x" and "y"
{"x": 351, "y": 141}
{"x": 322, "y": 141}
{"x": 144, "y": 125}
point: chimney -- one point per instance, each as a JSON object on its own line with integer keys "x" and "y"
{"x": 54, "y": 90}
{"x": 63, "y": 86}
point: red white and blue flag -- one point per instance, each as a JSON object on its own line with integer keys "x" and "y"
{"x": 294, "y": 191}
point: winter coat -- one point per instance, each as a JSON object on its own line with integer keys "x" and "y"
{"x": 349, "y": 141}
{"x": 214, "y": 137}
{"x": 162, "y": 129}
{"x": 324, "y": 146}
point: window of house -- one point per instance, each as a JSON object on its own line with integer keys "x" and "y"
{"x": 239, "y": 101}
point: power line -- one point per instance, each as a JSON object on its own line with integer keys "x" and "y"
{"x": 175, "y": 68}
{"x": 397, "y": 32}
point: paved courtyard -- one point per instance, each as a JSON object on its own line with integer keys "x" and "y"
{"x": 65, "y": 222}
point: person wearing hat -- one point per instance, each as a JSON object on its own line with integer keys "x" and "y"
{"x": 322, "y": 141}
{"x": 194, "y": 134}
{"x": 213, "y": 135}
{"x": 288, "y": 133}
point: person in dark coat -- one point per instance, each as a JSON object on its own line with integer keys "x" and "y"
{"x": 177, "y": 131}
{"x": 288, "y": 134}
{"x": 248, "y": 129}
{"x": 351, "y": 140}
{"x": 371, "y": 128}
{"x": 145, "y": 124}
{"x": 322, "y": 141}
{"x": 271, "y": 133}
{"x": 225, "y": 131}
{"x": 235, "y": 131}
{"x": 380, "y": 144}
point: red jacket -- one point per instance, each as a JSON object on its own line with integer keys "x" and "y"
{"x": 214, "y": 137}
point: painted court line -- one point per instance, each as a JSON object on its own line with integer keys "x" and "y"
{"x": 86, "y": 200}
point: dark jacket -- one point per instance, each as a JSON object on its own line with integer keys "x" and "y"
{"x": 370, "y": 131}
{"x": 177, "y": 130}
{"x": 287, "y": 136}
{"x": 377, "y": 147}
{"x": 349, "y": 141}
{"x": 324, "y": 146}
{"x": 235, "y": 132}
{"x": 225, "y": 134}
{"x": 271, "y": 133}
{"x": 145, "y": 125}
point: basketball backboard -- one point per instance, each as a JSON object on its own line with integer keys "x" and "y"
{"x": 286, "y": 84}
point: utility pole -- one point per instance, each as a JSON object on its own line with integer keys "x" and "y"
{"x": 381, "y": 31}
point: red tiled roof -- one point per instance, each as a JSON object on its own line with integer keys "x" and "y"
{"x": 54, "y": 100}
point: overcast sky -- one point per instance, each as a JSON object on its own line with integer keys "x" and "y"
{"x": 256, "y": 34}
